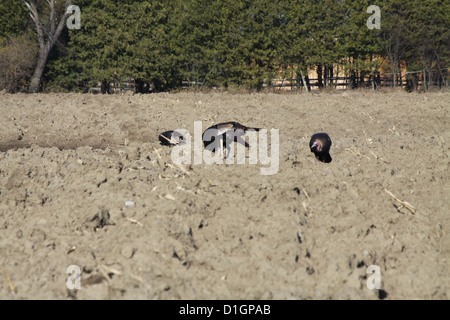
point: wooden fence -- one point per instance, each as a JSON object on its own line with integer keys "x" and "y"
{"x": 410, "y": 81}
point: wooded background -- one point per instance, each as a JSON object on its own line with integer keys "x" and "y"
{"x": 169, "y": 44}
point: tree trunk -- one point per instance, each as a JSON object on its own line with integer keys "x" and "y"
{"x": 430, "y": 79}
{"x": 105, "y": 87}
{"x": 304, "y": 81}
{"x": 394, "y": 76}
{"x": 424, "y": 79}
{"x": 353, "y": 80}
{"x": 331, "y": 74}
{"x": 319, "y": 77}
{"x": 39, "y": 71}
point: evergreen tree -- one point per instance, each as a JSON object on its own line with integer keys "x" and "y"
{"x": 429, "y": 39}
{"x": 14, "y": 18}
{"x": 246, "y": 43}
{"x": 360, "y": 44}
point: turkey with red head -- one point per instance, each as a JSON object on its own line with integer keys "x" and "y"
{"x": 320, "y": 145}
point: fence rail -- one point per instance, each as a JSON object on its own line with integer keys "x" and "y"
{"x": 409, "y": 80}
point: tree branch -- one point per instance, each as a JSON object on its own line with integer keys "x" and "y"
{"x": 61, "y": 23}
{"x": 52, "y": 16}
{"x": 35, "y": 16}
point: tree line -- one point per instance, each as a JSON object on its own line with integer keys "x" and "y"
{"x": 221, "y": 43}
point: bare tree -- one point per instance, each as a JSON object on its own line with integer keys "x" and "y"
{"x": 47, "y": 34}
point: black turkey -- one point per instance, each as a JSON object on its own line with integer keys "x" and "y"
{"x": 229, "y": 134}
{"x": 171, "y": 138}
{"x": 320, "y": 145}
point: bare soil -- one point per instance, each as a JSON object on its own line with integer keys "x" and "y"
{"x": 85, "y": 182}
